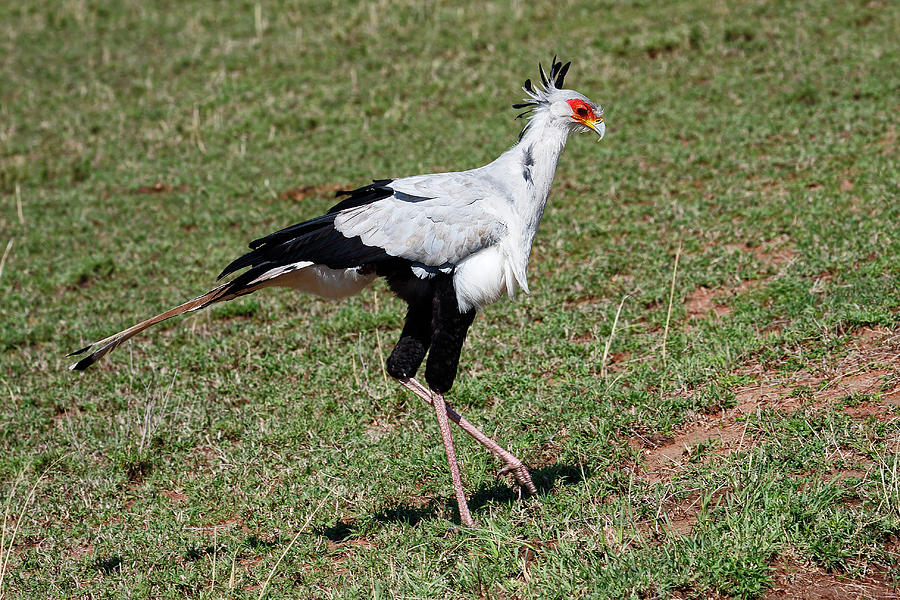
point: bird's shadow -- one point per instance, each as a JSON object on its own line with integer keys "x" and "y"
{"x": 545, "y": 480}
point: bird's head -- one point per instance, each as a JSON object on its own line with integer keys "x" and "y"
{"x": 567, "y": 107}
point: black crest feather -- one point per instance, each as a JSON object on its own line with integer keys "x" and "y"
{"x": 561, "y": 74}
{"x": 555, "y": 79}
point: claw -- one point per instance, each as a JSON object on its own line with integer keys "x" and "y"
{"x": 521, "y": 474}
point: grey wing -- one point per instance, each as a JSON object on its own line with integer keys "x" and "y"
{"x": 435, "y": 220}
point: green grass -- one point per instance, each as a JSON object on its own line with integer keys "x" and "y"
{"x": 759, "y": 138}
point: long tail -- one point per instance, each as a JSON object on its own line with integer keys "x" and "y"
{"x": 282, "y": 259}
{"x": 221, "y": 293}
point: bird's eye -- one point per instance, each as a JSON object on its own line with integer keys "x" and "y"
{"x": 581, "y": 111}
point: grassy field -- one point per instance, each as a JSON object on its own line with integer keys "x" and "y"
{"x": 736, "y": 433}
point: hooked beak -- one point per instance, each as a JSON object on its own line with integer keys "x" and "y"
{"x": 597, "y": 125}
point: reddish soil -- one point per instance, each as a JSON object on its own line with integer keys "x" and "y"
{"x": 80, "y": 550}
{"x": 774, "y": 254}
{"x": 341, "y": 550}
{"x": 888, "y": 142}
{"x": 805, "y": 582}
{"x": 849, "y": 382}
{"x": 174, "y": 496}
{"x": 157, "y": 188}
{"x": 703, "y": 301}
{"x": 872, "y": 367}
{"x": 682, "y": 518}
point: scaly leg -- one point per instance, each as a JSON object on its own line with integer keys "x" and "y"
{"x": 441, "y": 409}
{"x": 513, "y": 464}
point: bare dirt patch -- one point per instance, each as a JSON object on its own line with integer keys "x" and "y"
{"x": 342, "y": 543}
{"x": 869, "y": 370}
{"x": 682, "y": 522}
{"x": 664, "y": 460}
{"x": 708, "y": 436}
{"x": 776, "y": 252}
{"x": 80, "y": 550}
{"x": 681, "y": 518}
{"x": 157, "y": 188}
{"x": 702, "y": 302}
{"x": 888, "y": 142}
{"x": 867, "y": 378}
{"x": 174, "y": 496}
{"x": 341, "y": 550}
{"x": 800, "y": 582}
{"x": 773, "y": 254}
{"x": 678, "y": 516}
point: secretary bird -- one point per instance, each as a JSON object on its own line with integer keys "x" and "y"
{"x": 447, "y": 243}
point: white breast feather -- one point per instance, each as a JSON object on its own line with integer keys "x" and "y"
{"x": 482, "y": 278}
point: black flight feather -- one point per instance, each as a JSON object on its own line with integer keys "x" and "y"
{"x": 82, "y": 351}
{"x": 320, "y": 244}
{"x": 375, "y": 191}
{"x": 315, "y": 240}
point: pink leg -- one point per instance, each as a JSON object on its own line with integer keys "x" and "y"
{"x": 441, "y": 409}
{"x": 513, "y": 464}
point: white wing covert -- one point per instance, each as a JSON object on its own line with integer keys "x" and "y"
{"x": 435, "y": 220}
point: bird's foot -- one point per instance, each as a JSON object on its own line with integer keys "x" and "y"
{"x": 520, "y": 472}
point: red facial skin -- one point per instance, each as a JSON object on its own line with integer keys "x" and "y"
{"x": 581, "y": 110}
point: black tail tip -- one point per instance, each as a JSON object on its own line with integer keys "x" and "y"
{"x": 83, "y": 364}
{"x": 82, "y": 351}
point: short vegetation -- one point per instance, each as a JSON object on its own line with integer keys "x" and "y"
{"x": 705, "y": 378}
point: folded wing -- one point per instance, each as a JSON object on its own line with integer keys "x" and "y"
{"x": 434, "y": 221}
